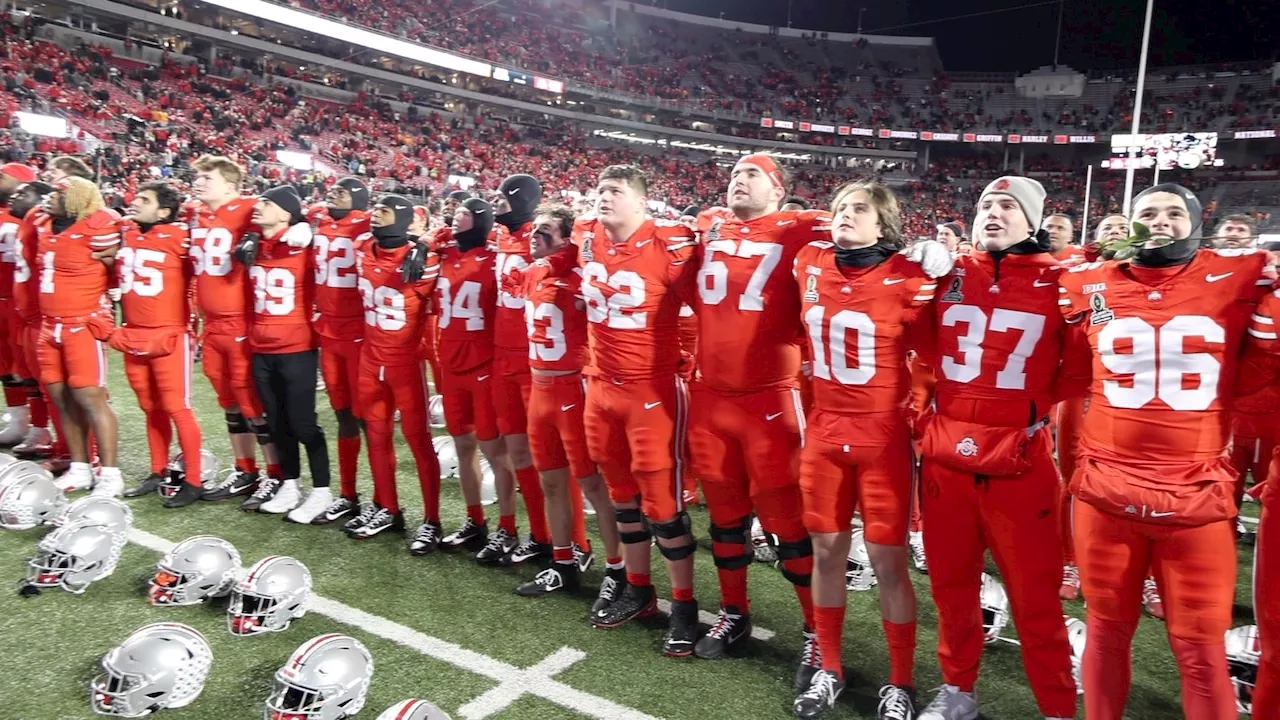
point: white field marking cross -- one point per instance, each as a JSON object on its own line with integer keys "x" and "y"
{"x": 513, "y": 682}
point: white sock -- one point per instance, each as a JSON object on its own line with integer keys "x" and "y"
{"x": 80, "y": 468}
{"x": 109, "y": 473}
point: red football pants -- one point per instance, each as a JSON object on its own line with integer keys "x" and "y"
{"x": 69, "y": 352}
{"x": 1070, "y": 420}
{"x": 1195, "y": 569}
{"x": 1252, "y": 455}
{"x": 511, "y": 390}
{"x": 1016, "y": 518}
{"x": 228, "y": 364}
{"x": 384, "y": 389}
{"x": 557, "y": 436}
{"x": 340, "y": 368}
{"x": 163, "y": 387}
{"x": 468, "y": 402}
{"x": 1266, "y": 602}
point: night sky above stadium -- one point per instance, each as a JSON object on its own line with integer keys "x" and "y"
{"x": 1096, "y": 34}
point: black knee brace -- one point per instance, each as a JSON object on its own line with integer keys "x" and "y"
{"x": 679, "y": 527}
{"x": 262, "y": 431}
{"x": 237, "y": 424}
{"x": 797, "y": 550}
{"x": 732, "y": 535}
{"x": 632, "y": 516}
{"x": 10, "y": 380}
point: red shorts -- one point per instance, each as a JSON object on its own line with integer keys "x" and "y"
{"x": 162, "y": 383}
{"x": 468, "y": 402}
{"x": 383, "y": 389}
{"x": 511, "y": 392}
{"x": 71, "y": 353}
{"x": 557, "y": 438}
{"x": 10, "y": 328}
{"x": 340, "y": 368}
{"x": 871, "y": 471}
{"x": 636, "y": 434}
{"x": 229, "y": 366}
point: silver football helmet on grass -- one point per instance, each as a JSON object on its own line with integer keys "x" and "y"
{"x": 159, "y": 667}
{"x": 1077, "y": 633}
{"x": 859, "y": 575}
{"x": 73, "y": 556}
{"x": 102, "y": 508}
{"x": 326, "y": 678}
{"x": 447, "y": 453}
{"x": 273, "y": 592}
{"x": 177, "y": 474}
{"x": 413, "y": 710}
{"x": 1244, "y": 651}
{"x": 29, "y": 498}
{"x": 435, "y": 411}
{"x": 195, "y": 570}
{"x": 995, "y": 608}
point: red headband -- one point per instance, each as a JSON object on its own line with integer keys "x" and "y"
{"x": 766, "y": 165}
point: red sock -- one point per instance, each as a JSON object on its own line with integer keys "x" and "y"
{"x": 508, "y": 523}
{"x": 275, "y": 471}
{"x": 828, "y": 623}
{"x": 733, "y": 582}
{"x": 535, "y": 503}
{"x": 348, "y": 456}
{"x": 682, "y": 594}
{"x": 249, "y": 465}
{"x": 39, "y": 409}
{"x": 159, "y": 436}
{"x": 476, "y": 513}
{"x": 902, "y": 652}
{"x": 562, "y": 554}
{"x": 614, "y": 562}
{"x": 189, "y": 440}
{"x": 579, "y": 515}
{"x": 15, "y": 395}
{"x": 639, "y": 579}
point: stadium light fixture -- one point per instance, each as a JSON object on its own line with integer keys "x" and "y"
{"x": 47, "y": 125}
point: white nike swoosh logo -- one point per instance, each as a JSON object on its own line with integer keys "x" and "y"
{"x": 785, "y": 222}
{"x": 242, "y": 338}
{"x": 1037, "y": 283}
{"x": 894, "y": 281}
{"x": 771, "y": 418}
{"x": 1153, "y": 513}
{"x": 482, "y": 378}
{"x": 513, "y": 191}
{"x": 652, "y": 405}
{"x": 642, "y": 243}
{"x": 567, "y": 408}
{"x": 295, "y": 252}
{"x": 1215, "y": 278}
{"x": 74, "y": 330}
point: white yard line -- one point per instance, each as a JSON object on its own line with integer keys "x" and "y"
{"x": 513, "y": 682}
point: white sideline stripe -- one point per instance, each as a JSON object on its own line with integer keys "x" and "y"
{"x": 706, "y": 618}
{"x": 512, "y": 681}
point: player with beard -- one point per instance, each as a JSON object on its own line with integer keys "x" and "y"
{"x": 395, "y": 313}
{"x": 1153, "y": 486}
{"x": 24, "y": 206}
{"x": 340, "y": 324}
{"x": 988, "y": 475}
{"x": 224, "y": 298}
{"x": 746, "y": 418}
{"x": 73, "y": 365}
{"x": 518, "y": 196}
{"x": 557, "y": 326}
{"x": 1060, "y": 232}
{"x": 1236, "y": 231}
{"x": 155, "y": 277}
{"x": 12, "y": 175}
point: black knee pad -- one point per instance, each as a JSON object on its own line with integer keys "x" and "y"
{"x": 632, "y": 516}
{"x": 348, "y": 423}
{"x": 263, "y": 432}
{"x": 735, "y": 534}
{"x": 796, "y": 550}
{"x": 237, "y": 424}
{"x": 679, "y": 527}
{"x": 10, "y": 380}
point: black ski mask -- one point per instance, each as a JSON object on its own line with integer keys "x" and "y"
{"x": 523, "y": 192}
{"x": 397, "y": 233}
{"x": 1181, "y": 250}
{"x": 864, "y": 257}
{"x": 481, "y": 225}
{"x": 359, "y": 197}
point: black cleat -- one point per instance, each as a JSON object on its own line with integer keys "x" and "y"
{"x": 471, "y": 536}
{"x": 730, "y": 628}
{"x": 632, "y": 603}
{"x": 501, "y": 544}
{"x": 186, "y": 495}
{"x": 559, "y": 577}
{"x": 819, "y": 696}
{"x": 526, "y": 551}
{"x": 426, "y": 539}
{"x": 583, "y": 558}
{"x": 337, "y": 509}
{"x": 897, "y": 702}
{"x": 267, "y": 489}
{"x": 382, "y": 521}
{"x": 149, "y": 485}
{"x": 810, "y": 661}
{"x": 237, "y": 482}
{"x": 682, "y": 633}
{"x": 615, "y": 581}
{"x": 366, "y": 513}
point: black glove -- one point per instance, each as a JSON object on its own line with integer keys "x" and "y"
{"x": 247, "y": 251}
{"x": 415, "y": 263}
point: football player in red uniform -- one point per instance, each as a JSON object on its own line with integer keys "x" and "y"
{"x": 24, "y": 207}
{"x": 76, "y": 322}
{"x": 340, "y": 323}
{"x": 391, "y": 372}
{"x": 225, "y": 300}
{"x": 988, "y": 474}
{"x": 858, "y": 297}
{"x": 284, "y": 351}
{"x": 154, "y": 277}
{"x": 746, "y": 418}
{"x": 555, "y": 314}
{"x": 1153, "y": 486}
{"x": 518, "y": 196}
{"x": 1060, "y": 232}
{"x": 12, "y": 175}
{"x": 466, "y": 299}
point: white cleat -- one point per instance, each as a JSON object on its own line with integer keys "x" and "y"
{"x": 74, "y": 480}
{"x": 287, "y": 498}
{"x": 318, "y": 500}
{"x": 951, "y": 704}
{"x": 108, "y": 486}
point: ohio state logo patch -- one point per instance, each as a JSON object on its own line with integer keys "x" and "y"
{"x": 967, "y": 447}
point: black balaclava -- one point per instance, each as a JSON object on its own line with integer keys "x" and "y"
{"x": 523, "y": 192}
{"x": 460, "y": 196}
{"x": 397, "y": 233}
{"x": 864, "y": 257}
{"x": 359, "y": 197}
{"x": 1181, "y": 250}
{"x": 481, "y": 225}
{"x": 691, "y": 211}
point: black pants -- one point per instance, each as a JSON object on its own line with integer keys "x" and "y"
{"x": 287, "y": 386}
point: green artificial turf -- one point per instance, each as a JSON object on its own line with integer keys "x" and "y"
{"x": 50, "y": 644}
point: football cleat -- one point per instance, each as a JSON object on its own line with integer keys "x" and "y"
{"x": 340, "y": 507}
{"x": 108, "y": 483}
{"x": 471, "y": 536}
{"x": 288, "y": 496}
{"x": 501, "y": 544}
{"x": 915, "y": 541}
{"x": 951, "y": 704}
{"x": 186, "y": 495}
{"x": 382, "y": 521}
{"x": 762, "y": 543}
{"x": 72, "y": 481}
{"x": 611, "y": 588}
{"x": 560, "y": 576}
{"x": 584, "y": 559}
{"x": 267, "y": 489}
{"x": 896, "y": 703}
{"x": 208, "y": 479}
{"x": 730, "y": 628}
{"x": 426, "y": 539}
{"x": 38, "y": 445}
{"x": 631, "y": 603}
{"x": 819, "y": 697}
{"x": 318, "y": 500}
{"x": 526, "y": 551}
{"x": 682, "y": 632}
{"x": 1151, "y": 601}
{"x": 148, "y": 485}
{"x": 237, "y": 482}
{"x": 366, "y": 513}
{"x": 810, "y": 661}
{"x": 1070, "y": 589}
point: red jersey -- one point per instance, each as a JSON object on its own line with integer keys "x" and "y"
{"x": 26, "y": 278}
{"x": 222, "y": 288}
{"x": 1070, "y": 255}
{"x": 856, "y": 320}
{"x": 747, "y": 297}
{"x": 556, "y": 322}
{"x": 1000, "y": 337}
{"x": 283, "y": 294}
{"x": 1165, "y": 344}
{"x": 72, "y": 283}
{"x": 466, "y": 298}
{"x": 515, "y": 252}
{"x": 338, "y": 299}
{"x": 8, "y": 251}
{"x": 154, "y": 275}
{"x": 633, "y": 291}
{"x": 395, "y": 312}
